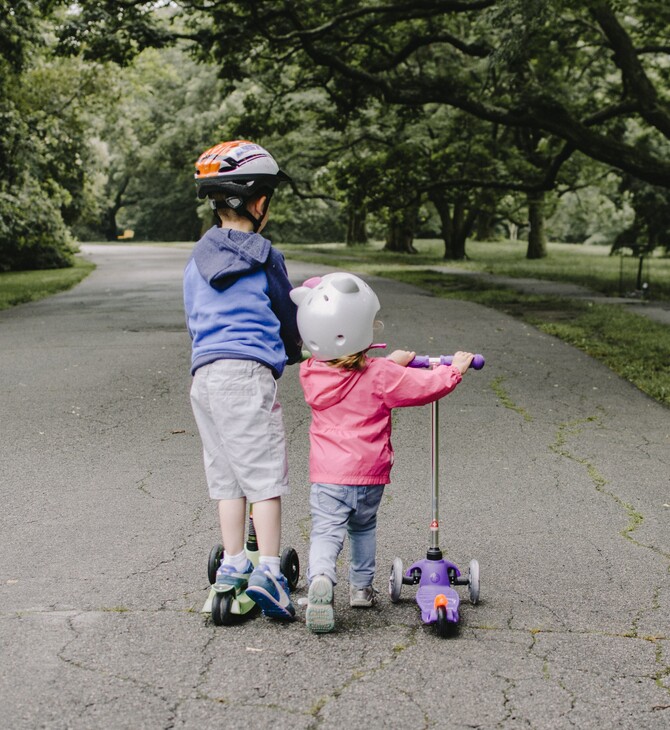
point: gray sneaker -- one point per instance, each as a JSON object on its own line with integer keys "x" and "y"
{"x": 319, "y": 616}
{"x": 361, "y": 597}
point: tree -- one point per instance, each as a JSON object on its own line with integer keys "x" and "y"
{"x": 555, "y": 77}
{"x": 43, "y": 110}
{"x": 515, "y": 63}
{"x": 579, "y": 75}
{"x": 166, "y": 110}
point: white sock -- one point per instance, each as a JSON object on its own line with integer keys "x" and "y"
{"x": 239, "y": 561}
{"x": 272, "y": 562}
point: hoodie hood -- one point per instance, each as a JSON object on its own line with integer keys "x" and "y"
{"x": 324, "y": 386}
{"x": 224, "y": 254}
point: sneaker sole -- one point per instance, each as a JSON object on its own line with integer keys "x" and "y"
{"x": 319, "y": 616}
{"x": 361, "y": 604}
{"x": 320, "y": 619}
{"x": 270, "y": 605}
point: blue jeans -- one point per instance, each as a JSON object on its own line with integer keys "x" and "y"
{"x": 336, "y": 510}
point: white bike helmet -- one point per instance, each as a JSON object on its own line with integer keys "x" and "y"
{"x": 239, "y": 170}
{"x": 336, "y": 316}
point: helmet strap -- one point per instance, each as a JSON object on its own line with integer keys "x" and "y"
{"x": 256, "y": 222}
{"x": 243, "y": 210}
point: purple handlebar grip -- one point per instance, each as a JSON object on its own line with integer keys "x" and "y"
{"x": 477, "y": 361}
{"x": 423, "y": 361}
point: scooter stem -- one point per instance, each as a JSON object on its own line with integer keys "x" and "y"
{"x": 435, "y": 491}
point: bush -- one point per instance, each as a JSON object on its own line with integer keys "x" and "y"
{"x": 32, "y": 232}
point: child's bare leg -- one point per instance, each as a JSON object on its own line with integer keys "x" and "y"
{"x": 267, "y": 521}
{"x": 267, "y": 586}
{"x": 232, "y": 517}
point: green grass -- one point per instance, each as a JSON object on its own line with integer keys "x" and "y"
{"x": 589, "y": 266}
{"x": 19, "y": 287}
{"x": 631, "y": 345}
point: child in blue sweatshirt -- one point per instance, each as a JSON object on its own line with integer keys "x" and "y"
{"x": 242, "y": 324}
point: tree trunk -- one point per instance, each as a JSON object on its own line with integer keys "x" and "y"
{"x": 400, "y": 233}
{"x": 485, "y": 217}
{"x": 537, "y": 240}
{"x": 456, "y": 225}
{"x": 109, "y": 225}
{"x": 356, "y": 231}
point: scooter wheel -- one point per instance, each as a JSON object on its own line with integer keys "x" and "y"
{"x": 215, "y": 555}
{"x": 289, "y": 564}
{"x": 395, "y": 580}
{"x": 473, "y": 582}
{"x": 222, "y": 604}
{"x": 442, "y": 626}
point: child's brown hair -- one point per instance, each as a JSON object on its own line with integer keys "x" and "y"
{"x": 350, "y": 362}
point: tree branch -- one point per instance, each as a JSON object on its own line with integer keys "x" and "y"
{"x": 407, "y": 11}
{"x": 638, "y": 85}
{"x": 536, "y": 112}
{"x": 470, "y": 49}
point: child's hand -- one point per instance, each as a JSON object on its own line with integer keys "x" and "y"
{"x": 462, "y": 361}
{"x": 402, "y": 357}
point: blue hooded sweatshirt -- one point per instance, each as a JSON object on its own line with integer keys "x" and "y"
{"x": 236, "y": 296}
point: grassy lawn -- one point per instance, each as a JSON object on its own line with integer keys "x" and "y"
{"x": 589, "y": 266}
{"x": 19, "y": 287}
{"x": 631, "y": 345}
{"x": 634, "y": 347}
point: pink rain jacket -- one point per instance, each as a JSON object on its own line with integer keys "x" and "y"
{"x": 350, "y": 434}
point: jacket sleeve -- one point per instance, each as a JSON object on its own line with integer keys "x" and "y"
{"x": 404, "y": 386}
{"x": 279, "y": 287}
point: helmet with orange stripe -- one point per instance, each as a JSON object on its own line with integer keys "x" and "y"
{"x": 233, "y": 173}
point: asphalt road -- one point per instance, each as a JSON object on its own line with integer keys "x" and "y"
{"x": 555, "y": 476}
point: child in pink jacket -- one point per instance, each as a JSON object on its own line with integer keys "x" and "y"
{"x": 351, "y": 396}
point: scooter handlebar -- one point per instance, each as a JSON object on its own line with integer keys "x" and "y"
{"x": 425, "y": 361}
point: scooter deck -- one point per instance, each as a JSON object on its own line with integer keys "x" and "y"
{"x": 435, "y": 589}
{"x": 428, "y": 597}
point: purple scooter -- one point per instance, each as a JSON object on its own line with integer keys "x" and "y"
{"x": 435, "y": 596}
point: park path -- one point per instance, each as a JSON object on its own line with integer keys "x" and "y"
{"x": 556, "y": 478}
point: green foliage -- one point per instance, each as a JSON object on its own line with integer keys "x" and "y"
{"x": 161, "y": 113}
{"x": 43, "y": 110}
{"x": 102, "y": 30}
{"x": 374, "y": 108}
{"x": 310, "y": 221}
{"x": 595, "y": 214}
{"x": 32, "y": 232}
{"x": 19, "y": 21}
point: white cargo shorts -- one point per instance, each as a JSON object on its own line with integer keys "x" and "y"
{"x": 242, "y": 430}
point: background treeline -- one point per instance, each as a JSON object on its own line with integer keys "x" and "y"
{"x": 455, "y": 119}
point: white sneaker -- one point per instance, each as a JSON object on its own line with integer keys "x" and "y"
{"x": 320, "y": 617}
